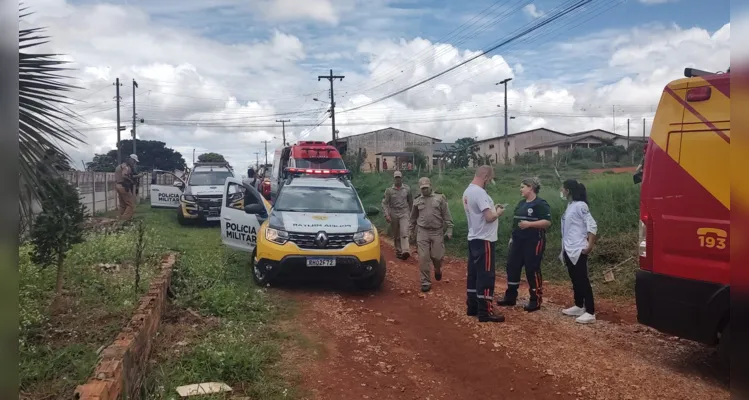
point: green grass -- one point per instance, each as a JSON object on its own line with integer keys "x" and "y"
{"x": 243, "y": 348}
{"x": 613, "y": 198}
{"x": 58, "y": 346}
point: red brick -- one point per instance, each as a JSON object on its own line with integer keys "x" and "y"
{"x": 121, "y": 370}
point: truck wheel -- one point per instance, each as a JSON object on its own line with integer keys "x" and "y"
{"x": 724, "y": 347}
{"x": 260, "y": 276}
{"x": 375, "y": 281}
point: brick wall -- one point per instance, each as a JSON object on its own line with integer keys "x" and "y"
{"x": 122, "y": 365}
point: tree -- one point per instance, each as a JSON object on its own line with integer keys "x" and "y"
{"x": 211, "y": 157}
{"x": 462, "y": 153}
{"x": 420, "y": 160}
{"x": 153, "y": 154}
{"x": 58, "y": 227}
{"x": 102, "y": 163}
{"x": 354, "y": 160}
{"x": 43, "y": 121}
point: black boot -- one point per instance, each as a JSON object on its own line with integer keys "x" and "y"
{"x": 492, "y": 317}
{"x": 532, "y": 306}
{"x": 506, "y": 302}
{"x": 438, "y": 274}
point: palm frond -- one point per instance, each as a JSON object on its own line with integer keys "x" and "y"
{"x": 44, "y": 119}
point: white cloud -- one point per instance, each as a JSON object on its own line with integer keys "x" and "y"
{"x": 199, "y": 93}
{"x": 534, "y": 12}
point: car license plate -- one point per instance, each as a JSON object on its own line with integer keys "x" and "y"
{"x": 320, "y": 262}
{"x": 212, "y": 218}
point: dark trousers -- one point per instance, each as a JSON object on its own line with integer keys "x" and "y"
{"x": 581, "y": 283}
{"x": 480, "y": 283}
{"x": 526, "y": 253}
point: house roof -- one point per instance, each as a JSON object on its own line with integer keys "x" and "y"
{"x": 343, "y": 139}
{"x": 439, "y": 148}
{"x": 521, "y": 133}
{"x": 593, "y": 130}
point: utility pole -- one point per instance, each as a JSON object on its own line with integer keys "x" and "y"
{"x": 193, "y": 157}
{"x": 283, "y": 127}
{"x": 257, "y": 160}
{"x": 627, "y": 133}
{"x": 135, "y": 85}
{"x": 266, "y": 150}
{"x": 643, "y": 128}
{"x": 507, "y": 144}
{"x": 613, "y": 117}
{"x": 117, "y": 98}
{"x": 331, "y": 77}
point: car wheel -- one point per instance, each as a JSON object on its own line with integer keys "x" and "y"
{"x": 260, "y": 276}
{"x": 724, "y": 349}
{"x": 375, "y": 281}
{"x": 181, "y": 218}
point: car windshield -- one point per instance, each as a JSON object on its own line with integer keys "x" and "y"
{"x": 317, "y": 199}
{"x": 209, "y": 178}
{"x": 328, "y": 163}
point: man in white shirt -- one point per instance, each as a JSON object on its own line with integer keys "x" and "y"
{"x": 481, "y": 214}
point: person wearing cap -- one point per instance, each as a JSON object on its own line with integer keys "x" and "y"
{"x": 430, "y": 223}
{"x": 532, "y": 218}
{"x": 396, "y": 205}
{"x": 124, "y": 185}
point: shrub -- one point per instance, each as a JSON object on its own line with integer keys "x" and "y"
{"x": 58, "y": 227}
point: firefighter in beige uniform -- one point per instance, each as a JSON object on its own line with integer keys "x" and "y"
{"x": 431, "y": 222}
{"x": 125, "y": 184}
{"x": 396, "y": 205}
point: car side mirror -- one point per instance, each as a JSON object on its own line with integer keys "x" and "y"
{"x": 637, "y": 177}
{"x": 178, "y": 184}
{"x": 254, "y": 209}
{"x": 372, "y": 211}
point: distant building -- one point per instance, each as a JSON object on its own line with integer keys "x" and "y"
{"x": 387, "y": 144}
{"x": 587, "y": 139}
{"x": 518, "y": 143}
{"x": 439, "y": 150}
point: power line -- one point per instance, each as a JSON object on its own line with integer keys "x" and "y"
{"x": 511, "y": 39}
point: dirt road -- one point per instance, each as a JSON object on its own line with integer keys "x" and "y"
{"x": 400, "y": 344}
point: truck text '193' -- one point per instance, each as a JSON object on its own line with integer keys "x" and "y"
{"x": 169, "y": 197}
{"x": 245, "y": 233}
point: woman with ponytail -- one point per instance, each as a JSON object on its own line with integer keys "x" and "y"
{"x": 578, "y": 238}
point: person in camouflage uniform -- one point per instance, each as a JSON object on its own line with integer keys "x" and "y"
{"x": 431, "y": 223}
{"x": 396, "y": 205}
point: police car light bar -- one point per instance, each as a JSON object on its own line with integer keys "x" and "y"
{"x": 317, "y": 171}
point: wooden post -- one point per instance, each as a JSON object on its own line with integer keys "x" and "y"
{"x": 93, "y": 193}
{"x": 106, "y": 191}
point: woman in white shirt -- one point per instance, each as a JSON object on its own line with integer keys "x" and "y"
{"x": 578, "y": 238}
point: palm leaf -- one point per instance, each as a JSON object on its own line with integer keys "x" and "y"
{"x": 44, "y": 119}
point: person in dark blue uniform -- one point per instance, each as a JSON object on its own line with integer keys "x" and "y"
{"x": 531, "y": 219}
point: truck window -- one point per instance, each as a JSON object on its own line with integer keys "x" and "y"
{"x": 327, "y": 163}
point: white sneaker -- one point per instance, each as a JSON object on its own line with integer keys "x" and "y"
{"x": 586, "y": 319}
{"x": 574, "y": 311}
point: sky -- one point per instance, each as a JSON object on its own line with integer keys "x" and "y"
{"x": 214, "y": 76}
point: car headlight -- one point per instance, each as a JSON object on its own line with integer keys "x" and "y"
{"x": 276, "y": 236}
{"x": 188, "y": 198}
{"x": 364, "y": 237}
